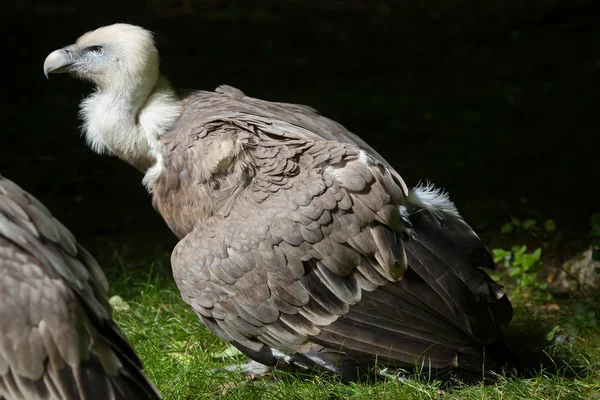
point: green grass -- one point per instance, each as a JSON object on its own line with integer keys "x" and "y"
{"x": 179, "y": 353}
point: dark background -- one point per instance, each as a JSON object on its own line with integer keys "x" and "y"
{"x": 495, "y": 101}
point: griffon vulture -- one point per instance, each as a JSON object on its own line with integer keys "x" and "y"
{"x": 57, "y": 338}
{"x": 299, "y": 243}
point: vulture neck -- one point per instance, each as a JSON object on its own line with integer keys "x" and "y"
{"x": 128, "y": 120}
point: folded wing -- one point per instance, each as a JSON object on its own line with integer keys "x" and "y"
{"x": 57, "y": 338}
{"x": 323, "y": 249}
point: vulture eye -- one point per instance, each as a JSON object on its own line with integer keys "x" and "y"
{"x": 97, "y": 50}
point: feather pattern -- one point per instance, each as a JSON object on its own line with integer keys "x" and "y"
{"x": 323, "y": 247}
{"x": 298, "y": 240}
{"x": 57, "y": 338}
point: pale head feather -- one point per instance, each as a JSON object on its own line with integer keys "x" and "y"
{"x": 133, "y": 56}
{"x": 133, "y": 105}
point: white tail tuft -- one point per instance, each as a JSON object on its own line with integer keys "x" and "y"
{"x": 434, "y": 199}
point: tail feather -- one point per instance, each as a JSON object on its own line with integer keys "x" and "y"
{"x": 113, "y": 371}
{"x": 111, "y": 347}
{"x": 86, "y": 381}
{"x": 443, "y": 317}
{"x": 130, "y": 382}
{"x": 94, "y": 383}
{"x": 447, "y": 255}
{"x": 411, "y": 314}
{"x": 331, "y": 361}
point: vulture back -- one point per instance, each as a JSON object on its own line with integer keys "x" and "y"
{"x": 300, "y": 244}
{"x": 57, "y": 338}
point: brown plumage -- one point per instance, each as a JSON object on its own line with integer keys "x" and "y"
{"x": 57, "y": 338}
{"x": 299, "y": 243}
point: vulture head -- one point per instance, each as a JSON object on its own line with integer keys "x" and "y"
{"x": 112, "y": 57}
{"x": 133, "y": 105}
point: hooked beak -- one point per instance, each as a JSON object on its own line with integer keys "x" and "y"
{"x": 59, "y": 60}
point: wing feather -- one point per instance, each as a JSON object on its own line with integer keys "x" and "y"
{"x": 57, "y": 339}
{"x": 332, "y": 231}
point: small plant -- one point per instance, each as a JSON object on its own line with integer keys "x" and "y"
{"x": 524, "y": 267}
{"x": 581, "y": 318}
{"x": 528, "y": 225}
{"x": 583, "y": 315}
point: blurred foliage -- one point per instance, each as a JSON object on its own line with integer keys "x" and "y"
{"x": 528, "y": 225}
{"x": 523, "y": 267}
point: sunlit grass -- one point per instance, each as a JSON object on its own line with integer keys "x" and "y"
{"x": 179, "y": 353}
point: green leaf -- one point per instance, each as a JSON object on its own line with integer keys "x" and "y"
{"x": 229, "y": 352}
{"x": 118, "y": 304}
{"x": 515, "y": 221}
{"x": 520, "y": 250}
{"x": 529, "y": 223}
{"x": 550, "y": 335}
{"x": 506, "y": 228}
{"x": 500, "y": 255}
{"x": 514, "y": 271}
{"x": 550, "y": 225}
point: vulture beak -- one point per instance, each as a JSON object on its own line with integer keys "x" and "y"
{"x": 59, "y": 60}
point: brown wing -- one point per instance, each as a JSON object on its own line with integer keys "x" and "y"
{"x": 182, "y": 199}
{"x": 306, "y": 253}
{"x": 227, "y": 99}
{"x": 57, "y": 339}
